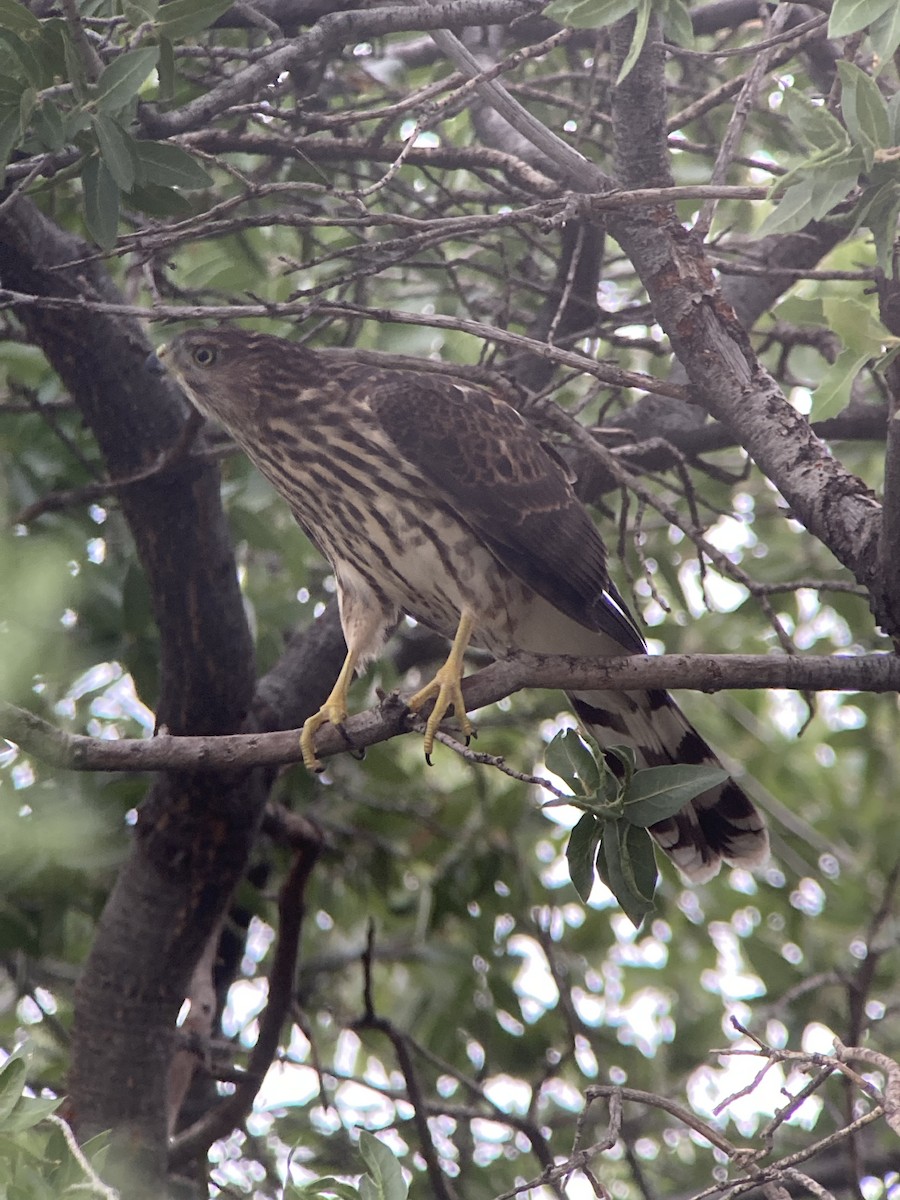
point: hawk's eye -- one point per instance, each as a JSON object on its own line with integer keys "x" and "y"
{"x": 204, "y": 356}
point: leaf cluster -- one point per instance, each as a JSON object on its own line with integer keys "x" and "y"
{"x": 618, "y": 806}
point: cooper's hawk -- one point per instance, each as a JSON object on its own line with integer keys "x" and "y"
{"x": 434, "y": 498}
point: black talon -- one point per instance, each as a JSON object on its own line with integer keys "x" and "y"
{"x": 351, "y": 745}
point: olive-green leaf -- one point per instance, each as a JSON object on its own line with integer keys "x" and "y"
{"x": 581, "y": 854}
{"x": 12, "y": 1081}
{"x": 659, "y": 792}
{"x": 165, "y": 69}
{"x": 136, "y": 12}
{"x": 384, "y": 1169}
{"x": 834, "y": 178}
{"x": 28, "y": 61}
{"x": 568, "y": 757}
{"x": 16, "y": 17}
{"x": 847, "y": 16}
{"x": 29, "y": 1111}
{"x": 101, "y": 202}
{"x": 48, "y": 126}
{"x": 884, "y": 34}
{"x": 678, "y": 23}
{"x": 158, "y": 201}
{"x": 627, "y": 865}
{"x": 855, "y": 323}
{"x": 881, "y": 211}
{"x": 10, "y": 135}
{"x": 815, "y": 124}
{"x": 626, "y": 756}
{"x": 318, "y": 1189}
{"x": 641, "y": 25}
{"x": 833, "y": 393}
{"x": 123, "y": 78}
{"x": 183, "y": 18}
{"x": 116, "y": 150}
{"x": 794, "y": 209}
{"x": 864, "y": 108}
{"x": 170, "y": 166}
{"x": 27, "y": 101}
{"x": 74, "y": 69}
{"x": 589, "y": 14}
{"x": 10, "y": 90}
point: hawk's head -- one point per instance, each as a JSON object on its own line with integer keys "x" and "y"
{"x": 229, "y": 374}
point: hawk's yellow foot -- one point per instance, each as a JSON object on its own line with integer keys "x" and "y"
{"x": 334, "y": 710}
{"x": 446, "y": 688}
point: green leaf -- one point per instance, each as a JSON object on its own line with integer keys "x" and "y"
{"x": 864, "y": 108}
{"x": 855, "y": 324}
{"x": 627, "y": 757}
{"x": 659, "y": 792}
{"x": 50, "y": 48}
{"x": 847, "y": 16}
{"x": 884, "y": 34}
{"x": 124, "y": 77}
{"x": 678, "y": 23}
{"x": 581, "y": 854}
{"x": 158, "y": 201}
{"x": 165, "y": 70}
{"x": 183, "y": 18}
{"x": 385, "y": 1172}
{"x": 833, "y": 178}
{"x": 76, "y": 122}
{"x": 18, "y": 19}
{"x": 116, "y": 150}
{"x": 641, "y": 25}
{"x": 815, "y": 124}
{"x": 627, "y": 866}
{"x": 170, "y": 166}
{"x": 833, "y": 393}
{"x": 75, "y": 69}
{"x": 137, "y": 12}
{"x": 894, "y": 117}
{"x": 589, "y": 14}
{"x": 319, "y": 1188}
{"x": 801, "y": 310}
{"x": 12, "y": 1081}
{"x": 10, "y": 135}
{"x": 48, "y": 126}
{"x": 10, "y": 90}
{"x": 27, "y": 59}
{"x": 101, "y": 202}
{"x": 819, "y": 188}
{"x": 30, "y": 1111}
{"x": 27, "y": 101}
{"x": 878, "y": 211}
{"x": 568, "y": 757}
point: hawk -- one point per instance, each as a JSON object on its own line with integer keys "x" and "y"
{"x": 434, "y": 498}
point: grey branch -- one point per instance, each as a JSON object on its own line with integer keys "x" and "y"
{"x": 703, "y": 672}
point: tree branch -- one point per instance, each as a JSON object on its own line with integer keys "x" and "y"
{"x": 237, "y": 752}
{"x": 331, "y": 32}
{"x": 233, "y": 1110}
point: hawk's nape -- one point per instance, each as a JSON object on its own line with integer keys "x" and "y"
{"x": 433, "y": 497}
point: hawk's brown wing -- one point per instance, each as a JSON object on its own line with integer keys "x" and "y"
{"x": 494, "y": 470}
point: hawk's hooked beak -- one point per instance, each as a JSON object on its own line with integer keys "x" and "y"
{"x": 155, "y": 362}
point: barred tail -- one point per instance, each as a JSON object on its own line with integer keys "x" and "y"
{"x": 721, "y": 824}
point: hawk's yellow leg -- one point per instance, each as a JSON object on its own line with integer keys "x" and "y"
{"x": 446, "y": 687}
{"x": 334, "y": 710}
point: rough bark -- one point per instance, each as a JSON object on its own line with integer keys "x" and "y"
{"x": 712, "y": 345}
